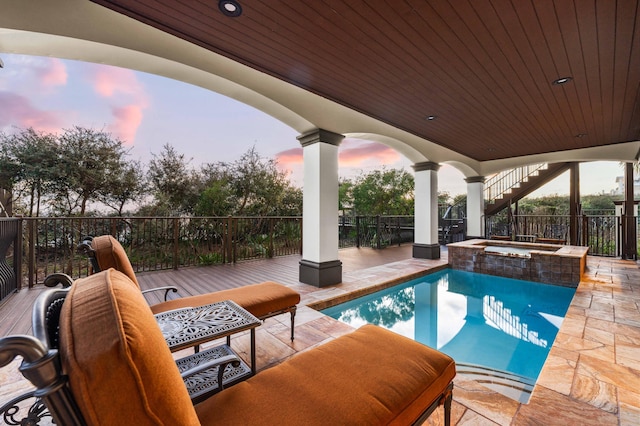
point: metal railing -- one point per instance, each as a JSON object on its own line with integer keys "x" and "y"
{"x": 32, "y": 248}
{"x": 49, "y": 245}
{"x": 375, "y": 231}
{"x": 10, "y": 260}
{"x": 601, "y": 233}
{"x": 504, "y": 181}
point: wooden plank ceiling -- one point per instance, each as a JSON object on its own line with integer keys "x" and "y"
{"x": 483, "y": 68}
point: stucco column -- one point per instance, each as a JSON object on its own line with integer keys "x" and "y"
{"x": 629, "y": 239}
{"x": 320, "y": 265}
{"x": 475, "y": 207}
{"x": 426, "y": 245}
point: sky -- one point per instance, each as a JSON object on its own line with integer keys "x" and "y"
{"x": 146, "y": 112}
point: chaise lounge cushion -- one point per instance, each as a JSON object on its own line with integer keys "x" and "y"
{"x": 259, "y": 299}
{"x": 120, "y": 368}
{"x": 371, "y": 376}
{"x": 110, "y": 254}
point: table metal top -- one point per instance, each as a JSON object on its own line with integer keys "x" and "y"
{"x": 188, "y": 327}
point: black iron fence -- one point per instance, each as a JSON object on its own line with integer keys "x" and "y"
{"x": 45, "y": 245}
{"x": 32, "y": 248}
{"x": 10, "y": 260}
{"x": 601, "y": 233}
{"x": 375, "y": 231}
{"x": 49, "y": 245}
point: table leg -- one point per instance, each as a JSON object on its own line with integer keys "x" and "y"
{"x": 253, "y": 351}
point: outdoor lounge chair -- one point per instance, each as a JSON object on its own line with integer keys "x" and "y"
{"x": 114, "y": 368}
{"x": 208, "y": 366}
{"x": 263, "y": 300}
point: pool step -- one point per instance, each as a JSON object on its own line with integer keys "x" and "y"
{"x": 509, "y": 384}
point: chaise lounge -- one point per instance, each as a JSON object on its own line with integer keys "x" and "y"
{"x": 120, "y": 371}
{"x": 264, "y": 300}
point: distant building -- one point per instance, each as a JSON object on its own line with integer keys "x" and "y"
{"x": 620, "y": 186}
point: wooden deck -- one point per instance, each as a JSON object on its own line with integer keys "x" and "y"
{"x": 15, "y": 310}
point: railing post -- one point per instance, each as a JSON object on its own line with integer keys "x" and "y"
{"x": 32, "y": 251}
{"x": 271, "y": 245}
{"x": 176, "y": 243}
{"x": 17, "y": 253}
{"x": 234, "y": 240}
{"x": 301, "y": 236}
{"x": 358, "y": 231}
{"x": 228, "y": 241}
{"x": 378, "y": 244}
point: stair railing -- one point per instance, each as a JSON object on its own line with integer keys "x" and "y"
{"x": 501, "y": 183}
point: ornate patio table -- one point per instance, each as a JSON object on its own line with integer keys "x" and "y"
{"x": 190, "y": 327}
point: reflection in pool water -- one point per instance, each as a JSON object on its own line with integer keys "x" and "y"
{"x": 480, "y": 320}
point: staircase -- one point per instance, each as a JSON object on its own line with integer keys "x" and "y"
{"x": 511, "y": 185}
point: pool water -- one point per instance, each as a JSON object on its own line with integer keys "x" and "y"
{"x": 498, "y": 330}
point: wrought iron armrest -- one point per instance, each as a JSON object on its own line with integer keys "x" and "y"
{"x": 166, "y": 289}
{"x": 85, "y": 248}
{"x": 41, "y": 366}
{"x": 221, "y": 363}
{"x": 56, "y": 278}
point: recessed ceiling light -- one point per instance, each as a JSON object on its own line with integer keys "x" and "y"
{"x": 230, "y": 8}
{"x": 431, "y": 117}
{"x": 581, "y": 135}
{"x": 562, "y": 80}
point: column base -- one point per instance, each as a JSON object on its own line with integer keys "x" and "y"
{"x": 426, "y": 251}
{"x": 320, "y": 274}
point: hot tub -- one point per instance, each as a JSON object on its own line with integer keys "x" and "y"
{"x": 546, "y": 263}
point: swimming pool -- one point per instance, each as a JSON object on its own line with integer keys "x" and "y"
{"x": 498, "y": 330}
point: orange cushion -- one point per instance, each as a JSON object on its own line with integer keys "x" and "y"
{"x": 120, "y": 369}
{"x": 371, "y": 376}
{"x": 259, "y": 299}
{"x": 110, "y": 254}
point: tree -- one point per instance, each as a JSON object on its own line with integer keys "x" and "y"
{"x": 29, "y": 166}
{"x": 546, "y": 205}
{"x": 384, "y": 192}
{"x": 173, "y": 185}
{"x": 88, "y": 160}
{"x": 602, "y": 202}
{"x": 345, "y": 196}
{"x": 216, "y": 200}
{"x": 126, "y": 184}
{"x": 251, "y": 186}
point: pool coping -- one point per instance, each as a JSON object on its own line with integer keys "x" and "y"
{"x": 330, "y": 302}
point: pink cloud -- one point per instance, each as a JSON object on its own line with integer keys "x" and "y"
{"x": 352, "y": 153}
{"x": 54, "y": 74}
{"x": 127, "y": 121}
{"x": 289, "y": 157}
{"x": 126, "y": 95}
{"x": 18, "y": 111}
{"x": 110, "y": 81}
{"x": 362, "y": 152}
